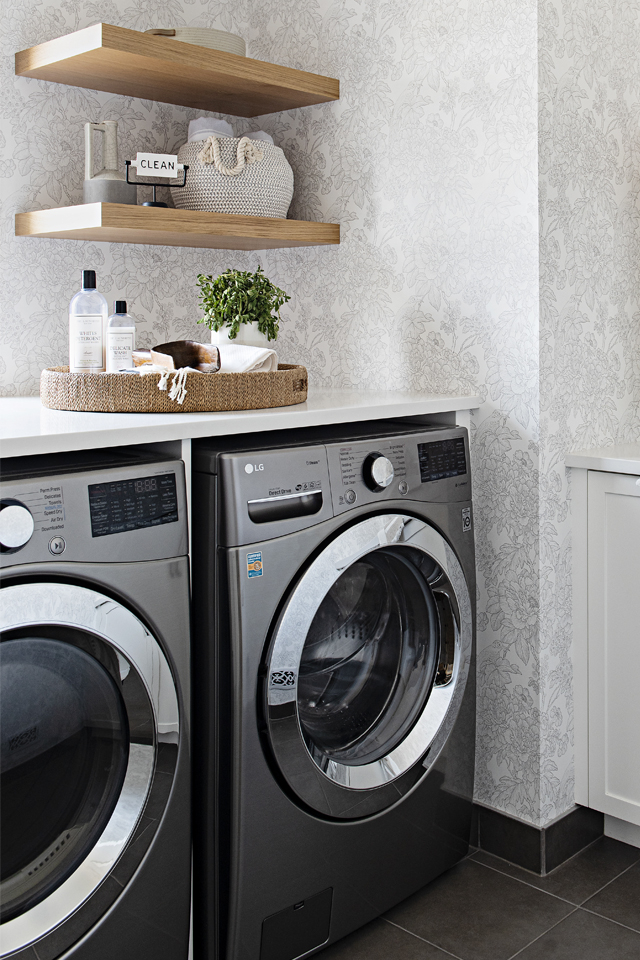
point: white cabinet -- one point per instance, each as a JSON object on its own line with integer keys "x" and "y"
{"x": 607, "y": 642}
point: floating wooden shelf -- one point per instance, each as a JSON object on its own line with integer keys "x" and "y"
{"x": 134, "y": 64}
{"x": 124, "y": 223}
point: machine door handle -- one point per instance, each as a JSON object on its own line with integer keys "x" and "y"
{"x": 287, "y": 507}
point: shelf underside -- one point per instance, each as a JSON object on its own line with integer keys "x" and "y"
{"x": 123, "y": 223}
{"x": 130, "y": 63}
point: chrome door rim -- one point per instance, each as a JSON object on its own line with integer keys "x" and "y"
{"x": 430, "y": 732}
{"x": 68, "y": 605}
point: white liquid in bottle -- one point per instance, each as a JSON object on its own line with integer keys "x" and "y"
{"x": 121, "y": 338}
{"x": 87, "y": 318}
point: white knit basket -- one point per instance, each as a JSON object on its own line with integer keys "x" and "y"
{"x": 238, "y": 175}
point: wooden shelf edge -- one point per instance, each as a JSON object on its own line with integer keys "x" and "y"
{"x": 122, "y": 223}
{"x": 128, "y": 62}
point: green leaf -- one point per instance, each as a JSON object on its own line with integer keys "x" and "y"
{"x": 236, "y": 297}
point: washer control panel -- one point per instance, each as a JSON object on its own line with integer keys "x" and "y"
{"x": 430, "y": 466}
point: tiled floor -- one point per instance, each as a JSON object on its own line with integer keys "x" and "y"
{"x": 487, "y": 909}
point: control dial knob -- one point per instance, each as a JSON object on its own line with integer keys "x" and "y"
{"x": 377, "y": 471}
{"x": 16, "y": 525}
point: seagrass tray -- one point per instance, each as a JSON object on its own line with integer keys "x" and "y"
{"x": 205, "y": 392}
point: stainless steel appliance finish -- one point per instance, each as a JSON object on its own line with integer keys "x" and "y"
{"x": 94, "y": 662}
{"x": 334, "y": 609}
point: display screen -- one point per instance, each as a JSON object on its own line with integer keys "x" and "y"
{"x": 122, "y": 505}
{"x": 442, "y": 458}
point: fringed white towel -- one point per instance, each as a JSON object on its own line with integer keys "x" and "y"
{"x": 238, "y": 358}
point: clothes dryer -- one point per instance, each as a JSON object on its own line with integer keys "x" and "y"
{"x": 335, "y": 655}
{"x": 94, "y": 665}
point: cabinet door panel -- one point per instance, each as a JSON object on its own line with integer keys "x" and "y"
{"x": 614, "y": 644}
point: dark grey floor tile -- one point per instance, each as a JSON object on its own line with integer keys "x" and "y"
{"x": 381, "y": 941}
{"x": 583, "y": 936}
{"x": 578, "y": 878}
{"x": 478, "y": 914}
{"x": 620, "y": 900}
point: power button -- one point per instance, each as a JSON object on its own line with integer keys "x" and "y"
{"x": 57, "y": 546}
{"x": 350, "y": 496}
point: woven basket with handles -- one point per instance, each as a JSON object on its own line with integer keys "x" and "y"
{"x": 262, "y": 187}
{"x": 128, "y": 393}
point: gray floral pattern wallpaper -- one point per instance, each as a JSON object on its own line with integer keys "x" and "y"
{"x": 449, "y": 277}
{"x": 589, "y": 168}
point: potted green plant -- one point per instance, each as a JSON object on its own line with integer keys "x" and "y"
{"x": 241, "y": 307}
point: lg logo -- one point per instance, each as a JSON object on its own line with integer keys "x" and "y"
{"x": 250, "y": 467}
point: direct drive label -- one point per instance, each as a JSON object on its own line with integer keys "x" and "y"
{"x": 254, "y": 565}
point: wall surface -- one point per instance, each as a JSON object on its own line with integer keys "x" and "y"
{"x": 589, "y": 304}
{"x": 430, "y": 163}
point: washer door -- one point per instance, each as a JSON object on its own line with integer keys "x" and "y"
{"x": 88, "y": 707}
{"x": 368, "y": 665}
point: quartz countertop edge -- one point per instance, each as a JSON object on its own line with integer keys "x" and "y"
{"x": 27, "y": 427}
{"x": 617, "y": 458}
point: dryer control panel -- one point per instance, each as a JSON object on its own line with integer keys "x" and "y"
{"x": 123, "y": 514}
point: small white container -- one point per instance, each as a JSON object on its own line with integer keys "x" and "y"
{"x": 87, "y": 321}
{"x": 121, "y": 338}
{"x": 248, "y": 336}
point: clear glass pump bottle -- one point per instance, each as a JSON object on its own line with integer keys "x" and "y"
{"x": 87, "y": 321}
{"x": 121, "y": 338}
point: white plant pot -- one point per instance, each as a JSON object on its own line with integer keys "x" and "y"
{"x": 248, "y": 336}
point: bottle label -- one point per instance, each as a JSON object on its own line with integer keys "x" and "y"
{"x": 86, "y": 342}
{"x": 119, "y": 350}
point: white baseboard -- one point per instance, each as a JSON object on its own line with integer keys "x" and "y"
{"x": 622, "y": 830}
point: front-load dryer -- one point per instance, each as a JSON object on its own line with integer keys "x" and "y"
{"x": 94, "y": 664}
{"x": 334, "y": 652}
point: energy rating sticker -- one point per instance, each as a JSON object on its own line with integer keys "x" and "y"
{"x": 254, "y": 565}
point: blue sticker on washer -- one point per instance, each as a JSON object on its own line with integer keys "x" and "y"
{"x": 254, "y": 565}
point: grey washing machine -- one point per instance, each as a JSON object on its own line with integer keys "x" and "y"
{"x": 334, "y": 658}
{"x": 94, "y": 666}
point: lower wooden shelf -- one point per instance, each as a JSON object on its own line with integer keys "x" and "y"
{"x": 125, "y": 223}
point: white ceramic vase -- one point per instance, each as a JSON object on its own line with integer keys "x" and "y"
{"x": 248, "y": 336}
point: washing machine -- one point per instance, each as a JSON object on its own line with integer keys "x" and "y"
{"x": 94, "y": 665}
{"x": 334, "y": 659}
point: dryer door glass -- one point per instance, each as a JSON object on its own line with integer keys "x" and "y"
{"x": 65, "y": 746}
{"x": 370, "y": 658}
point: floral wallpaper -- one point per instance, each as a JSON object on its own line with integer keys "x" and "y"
{"x": 589, "y": 139}
{"x": 430, "y": 163}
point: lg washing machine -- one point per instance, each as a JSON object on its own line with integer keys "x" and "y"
{"x": 334, "y": 663}
{"x": 94, "y": 666}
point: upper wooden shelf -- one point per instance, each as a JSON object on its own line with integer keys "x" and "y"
{"x": 127, "y": 223}
{"x": 134, "y": 64}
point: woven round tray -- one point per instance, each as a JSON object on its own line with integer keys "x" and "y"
{"x": 206, "y": 392}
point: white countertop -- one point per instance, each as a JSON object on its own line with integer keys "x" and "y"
{"x": 618, "y": 458}
{"x": 26, "y": 427}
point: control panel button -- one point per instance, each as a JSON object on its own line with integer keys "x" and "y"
{"x": 57, "y": 546}
{"x": 377, "y": 471}
{"x": 350, "y": 496}
{"x": 16, "y": 525}
{"x": 403, "y": 487}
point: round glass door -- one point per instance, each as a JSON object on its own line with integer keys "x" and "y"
{"x": 64, "y": 752}
{"x": 89, "y": 709}
{"x": 369, "y": 659}
{"x": 368, "y": 665}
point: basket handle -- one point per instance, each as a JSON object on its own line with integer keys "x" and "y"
{"x": 247, "y": 152}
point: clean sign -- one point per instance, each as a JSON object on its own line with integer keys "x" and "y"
{"x": 157, "y": 165}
